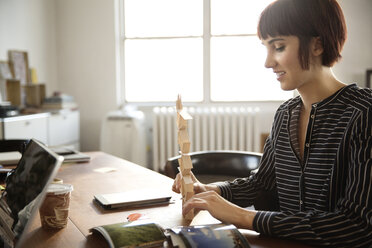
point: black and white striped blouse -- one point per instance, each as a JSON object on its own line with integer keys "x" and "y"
{"x": 325, "y": 198}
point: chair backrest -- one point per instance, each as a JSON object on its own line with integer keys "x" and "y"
{"x": 12, "y": 145}
{"x": 212, "y": 166}
{"x": 229, "y": 164}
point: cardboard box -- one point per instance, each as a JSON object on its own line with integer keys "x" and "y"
{"x": 13, "y": 92}
{"x": 35, "y": 94}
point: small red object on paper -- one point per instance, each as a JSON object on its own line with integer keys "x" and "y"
{"x": 134, "y": 216}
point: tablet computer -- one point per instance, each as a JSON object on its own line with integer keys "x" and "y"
{"x": 25, "y": 190}
{"x": 135, "y": 198}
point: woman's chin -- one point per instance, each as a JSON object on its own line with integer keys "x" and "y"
{"x": 286, "y": 86}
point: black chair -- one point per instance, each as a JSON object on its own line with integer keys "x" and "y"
{"x": 218, "y": 165}
{"x": 12, "y": 145}
{"x": 211, "y": 166}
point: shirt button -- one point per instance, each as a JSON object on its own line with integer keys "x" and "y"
{"x": 312, "y": 116}
{"x": 307, "y": 145}
{"x": 301, "y": 202}
{"x": 314, "y": 105}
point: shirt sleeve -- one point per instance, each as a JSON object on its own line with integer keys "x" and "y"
{"x": 243, "y": 191}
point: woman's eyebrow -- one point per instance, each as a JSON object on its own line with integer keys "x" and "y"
{"x": 272, "y": 41}
{"x": 275, "y": 39}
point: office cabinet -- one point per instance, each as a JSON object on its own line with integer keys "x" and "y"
{"x": 52, "y": 128}
{"x": 26, "y": 127}
{"x": 64, "y": 128}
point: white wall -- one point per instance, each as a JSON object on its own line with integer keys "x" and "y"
{"x": 86, "y": 61}
{"x": 357, "y": 53}
{"x": 30, "y": 25}
{"x": 72, "y": 44}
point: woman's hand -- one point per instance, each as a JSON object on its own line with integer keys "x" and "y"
{"x": 220, "y": 209}
{"x": 207, "y": 197}
{"x": 198, "y": 186}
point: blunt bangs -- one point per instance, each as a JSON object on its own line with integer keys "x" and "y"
{"x": 284, "y": 18}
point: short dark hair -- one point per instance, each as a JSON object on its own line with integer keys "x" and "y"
{"x": 306, "y": 19}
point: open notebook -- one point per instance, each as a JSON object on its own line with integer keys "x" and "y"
{"x": 25, "y": 190}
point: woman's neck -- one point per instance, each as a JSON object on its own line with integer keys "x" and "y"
{"x": 323, "y": 85}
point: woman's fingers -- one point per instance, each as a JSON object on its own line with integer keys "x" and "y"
{"x": 193, "y": 177}
{"x": 198, "y": 187}
{"x": 201, "y": 201}
{"x": 194, "y": 203}
{"x": 220, "y": 209}
{"x": 176, "y": 187}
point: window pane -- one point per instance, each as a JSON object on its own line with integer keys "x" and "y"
{"x": 236, "y": 16}
{"x": 159, "y": 69}
{"x": 149, "y": 18}
{"x": 238, "y": 72}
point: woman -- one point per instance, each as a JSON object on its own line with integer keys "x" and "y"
{"x": 318, "y": 156}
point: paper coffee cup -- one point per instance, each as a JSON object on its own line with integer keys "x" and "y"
{"x": 54, "y": 210}
{"x": 57, "y": 180}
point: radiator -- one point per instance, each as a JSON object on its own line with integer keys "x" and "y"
{"x": 212, "y": 128}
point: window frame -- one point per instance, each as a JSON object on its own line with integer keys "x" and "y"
{"x": 206, "y": 36}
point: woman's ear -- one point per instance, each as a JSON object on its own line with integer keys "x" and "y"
{"x": 316, "y": 46}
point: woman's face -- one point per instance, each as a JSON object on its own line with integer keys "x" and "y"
{"x": 282, "y": 57}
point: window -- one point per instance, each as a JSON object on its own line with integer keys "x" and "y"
{"x": 207, "y": 50}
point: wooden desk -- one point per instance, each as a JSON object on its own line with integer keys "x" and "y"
{"x": 123, "y": 176}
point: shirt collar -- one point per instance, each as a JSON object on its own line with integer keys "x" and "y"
{"x": 297, "y": 100}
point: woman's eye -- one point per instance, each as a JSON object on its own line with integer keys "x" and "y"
{"x": 280, "y": 49}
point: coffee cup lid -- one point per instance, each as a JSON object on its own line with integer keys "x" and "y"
{"x": 59, "y": 188}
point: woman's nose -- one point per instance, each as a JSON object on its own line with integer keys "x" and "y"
{"x": 270, "y": 61}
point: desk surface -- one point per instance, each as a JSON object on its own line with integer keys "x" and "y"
{"x": 108, "y": 174}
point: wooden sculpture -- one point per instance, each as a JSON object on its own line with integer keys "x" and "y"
{"x": 185, "y": 164}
